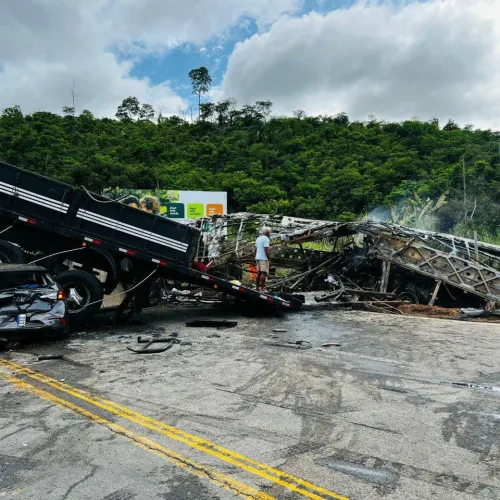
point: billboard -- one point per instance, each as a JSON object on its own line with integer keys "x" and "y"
{"x": 179, "y": 205}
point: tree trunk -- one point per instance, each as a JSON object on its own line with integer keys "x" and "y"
{"x": 199, "y": 106}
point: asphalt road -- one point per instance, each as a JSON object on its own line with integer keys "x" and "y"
{"x": 405, "y": 408}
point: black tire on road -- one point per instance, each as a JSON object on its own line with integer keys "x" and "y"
{"x": 84, "y": 294}
{"x": 11, "y": 254}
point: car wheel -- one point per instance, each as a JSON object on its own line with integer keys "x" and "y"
{"x": 84, "y": 294}
{"x": 11, "y": 254}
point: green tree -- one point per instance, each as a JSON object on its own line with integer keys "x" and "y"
{"x": 264, "y": 108}
{"x": 323, "y": 167}
{"x": 146, "y": 112}
{"x": 201, "y": 82}
{"x": 207, "y": 110}
{"x": 128, "y": 109}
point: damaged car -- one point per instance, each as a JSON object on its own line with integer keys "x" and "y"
{"x": 31, "y": 302}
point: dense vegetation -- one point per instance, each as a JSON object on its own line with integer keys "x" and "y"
{"x": 316, "y": 167}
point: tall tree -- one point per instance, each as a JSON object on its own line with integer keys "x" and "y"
{"x": 200, "y": 81}
{"x": 146, "y": 112}
{"x": 264, "y": 108}
{"x": 128, "y": 109}
{"x": 299, "y": 114}
{"x": 131, "y": 109}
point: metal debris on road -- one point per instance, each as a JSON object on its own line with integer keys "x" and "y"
{"x": 169, "y": 341}
{"x": 299, "y": 344}
{"x": 210, "y": 323}
{"x": 45, "y": 357}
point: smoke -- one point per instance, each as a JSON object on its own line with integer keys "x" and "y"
{"x": 379, "y": 214}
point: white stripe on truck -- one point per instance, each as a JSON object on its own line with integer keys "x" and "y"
{"x": 59, "y": 206}
{"x": 24, "y": 194}
{"x": 132, "y": 230}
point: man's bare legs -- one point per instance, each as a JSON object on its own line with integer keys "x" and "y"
{"x": 263, "y": 279}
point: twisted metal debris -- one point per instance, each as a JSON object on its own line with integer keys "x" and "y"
{"x": 399, "y": 261}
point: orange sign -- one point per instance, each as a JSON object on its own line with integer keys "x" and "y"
{"x": 214, "y": 209}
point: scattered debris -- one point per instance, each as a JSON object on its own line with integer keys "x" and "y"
{"x": 330, "y": 344}
{"x": 351, "y": 291}
{"x": 279, "y": 330}
{"x": 213, "y": 336}
{"x": 210, "y": 323}
{"x": 169, "y": 341}
{"x": 299, "y": 344}
{"x": 45, "y": 357}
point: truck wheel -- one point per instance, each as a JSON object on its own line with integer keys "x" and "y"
{"x": 155, "y": 293}
{"x": 11, "y": 254}
{"x": 84, "y": 294}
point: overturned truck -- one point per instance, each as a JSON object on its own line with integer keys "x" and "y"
{"x": 360, "y": 259}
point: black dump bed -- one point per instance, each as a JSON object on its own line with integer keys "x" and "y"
{"x": 69, "y": 217}
{"x": 74, "y": 212}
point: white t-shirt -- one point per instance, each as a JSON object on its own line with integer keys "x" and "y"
{"x": 261, "y": 243}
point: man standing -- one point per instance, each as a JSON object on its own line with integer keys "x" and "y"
{"x": 262, "y": 258}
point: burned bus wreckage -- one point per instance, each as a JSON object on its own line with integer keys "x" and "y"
{"x": 357, "y": 261}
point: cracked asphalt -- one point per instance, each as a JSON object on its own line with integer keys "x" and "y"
{"x": 405, "y": 408}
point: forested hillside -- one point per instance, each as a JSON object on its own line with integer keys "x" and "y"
{"x": 317, "y": 167}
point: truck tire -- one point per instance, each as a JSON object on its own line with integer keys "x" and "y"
{"x": 84, "y": 294}
{"x": 11, "y": 254}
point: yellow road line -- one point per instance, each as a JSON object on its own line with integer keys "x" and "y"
{"x": 199, "y": 470}
{"x": 282, "y": 478}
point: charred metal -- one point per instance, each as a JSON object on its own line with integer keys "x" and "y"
{"x": 357, "y": 260}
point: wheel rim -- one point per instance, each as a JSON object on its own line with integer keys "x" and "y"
{"x": 4, "y": 258}
{"x": 78, "y": 297}
{"x": 409, "y": 297}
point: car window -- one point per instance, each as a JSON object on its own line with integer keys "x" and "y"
{"x": 23, "y": 279}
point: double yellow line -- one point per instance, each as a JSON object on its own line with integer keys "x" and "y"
{"x": 288, "y": 481}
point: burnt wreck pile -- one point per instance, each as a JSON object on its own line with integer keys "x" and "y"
{"x": 357, "y": 261}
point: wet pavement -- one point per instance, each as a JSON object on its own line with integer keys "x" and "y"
{"x": 404, "y": 408}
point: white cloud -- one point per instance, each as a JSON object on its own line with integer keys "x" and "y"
{"x": 435, "y": 59}
{"x": 45, "y": 44}
{"x": 155, "y": 21}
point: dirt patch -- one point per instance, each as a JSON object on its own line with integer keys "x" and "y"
{"x": 437, "y": 312}
{"x": 429, "y": 311}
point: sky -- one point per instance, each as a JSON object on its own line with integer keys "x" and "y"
{"x": 393, "y": 59}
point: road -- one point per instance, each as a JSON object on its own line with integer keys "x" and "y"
{"x": 405, "y": 408}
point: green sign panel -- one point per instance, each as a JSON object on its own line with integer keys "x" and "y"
{"x": 195, "y": 210}
{"x": 175, "y": 210}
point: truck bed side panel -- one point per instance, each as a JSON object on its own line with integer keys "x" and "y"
{"x": 134, "y": 229}
{"x": 32, "y": 195}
